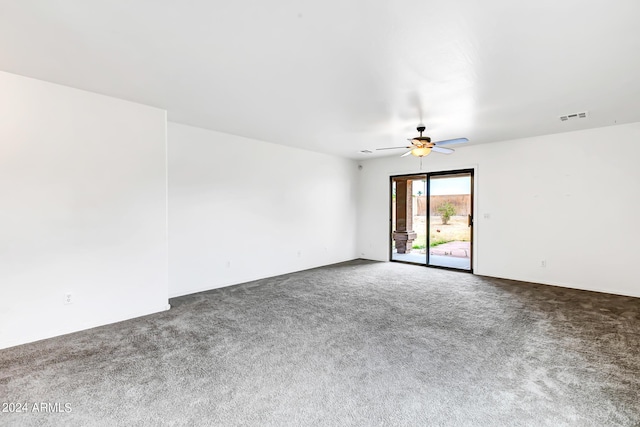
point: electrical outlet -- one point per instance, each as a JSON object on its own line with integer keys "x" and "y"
{"x": 68, "y": 298}
{"x": 543, "y": 263}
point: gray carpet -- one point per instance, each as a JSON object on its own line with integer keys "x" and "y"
{"x": 359, "y": 343}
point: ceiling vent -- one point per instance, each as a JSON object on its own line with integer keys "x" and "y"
{"x": 573, "y": 116}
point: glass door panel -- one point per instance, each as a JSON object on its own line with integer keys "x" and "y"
{"x": 409, "y": 219}
{"x": 450, "y": 219}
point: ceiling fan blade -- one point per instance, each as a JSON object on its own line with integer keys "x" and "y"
{"x": 391, "y": 148}
{"x": 442, "y": 150}
{"x": 407, "y": 153}
{"x": 452, "y": 141}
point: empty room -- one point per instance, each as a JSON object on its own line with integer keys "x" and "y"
{"x": 294, "y": 213}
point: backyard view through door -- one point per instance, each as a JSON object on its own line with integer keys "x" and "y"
{"x": 431, "y": 219}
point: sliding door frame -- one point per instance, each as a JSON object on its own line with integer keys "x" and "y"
{"x": 427, "y": 176}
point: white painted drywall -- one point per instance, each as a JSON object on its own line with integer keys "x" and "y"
{"x": 242, "y": 209}
{"x": 570, "y": 199}
{"x": 83, "y": 210}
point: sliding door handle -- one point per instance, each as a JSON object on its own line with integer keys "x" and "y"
{"x": 469, "y": 220}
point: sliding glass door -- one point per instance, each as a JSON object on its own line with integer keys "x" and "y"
{"x": 432, "y": 219}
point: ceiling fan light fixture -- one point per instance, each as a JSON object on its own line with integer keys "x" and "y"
{"x": 421, "y": 151}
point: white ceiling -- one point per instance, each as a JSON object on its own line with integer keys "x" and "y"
{"x": 339, "y": 76}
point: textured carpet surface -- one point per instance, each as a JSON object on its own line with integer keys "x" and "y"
{"x": 359, "y": 343}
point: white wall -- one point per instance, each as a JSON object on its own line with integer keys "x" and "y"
{"x": 241, "y": 209}
{"x": 571, "y": 199}
{"x": 83, "y": 196}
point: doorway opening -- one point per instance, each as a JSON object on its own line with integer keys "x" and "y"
{"x": 432, "y": 219}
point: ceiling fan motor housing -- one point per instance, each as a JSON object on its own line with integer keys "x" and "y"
{"x": 424, "y": 139}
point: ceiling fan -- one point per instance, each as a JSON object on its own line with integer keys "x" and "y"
{"x": 422, "y": 146}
